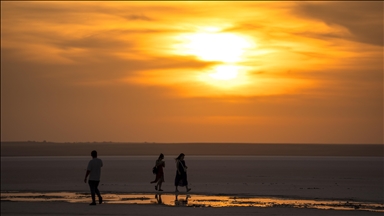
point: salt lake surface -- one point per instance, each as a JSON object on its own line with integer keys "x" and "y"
{"x": 352, "y": 179}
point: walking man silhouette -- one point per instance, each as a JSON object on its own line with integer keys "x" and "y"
{"x": 94, "y": 172}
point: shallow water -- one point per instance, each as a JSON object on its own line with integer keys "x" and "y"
{"x": 327, "y": 178}
{"x": 192, "y": 200}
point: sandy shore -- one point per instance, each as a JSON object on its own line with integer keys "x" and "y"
{"x": 62, "y": 208}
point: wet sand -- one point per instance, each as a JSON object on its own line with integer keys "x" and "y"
{"x": 347, "y": 178}
{"x": 340, "y": 179}
{"x": 193, "y": 200}
{"x": 63, "y": 208}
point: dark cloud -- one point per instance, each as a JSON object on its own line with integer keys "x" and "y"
{"x": 138, "y": 17}
{"x": 101, "y": 40}
{"x": 363, "y": 19}
{"x": 101, "y": 67}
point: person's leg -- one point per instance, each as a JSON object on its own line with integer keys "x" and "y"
{"x": 154, "y": 181}
{"x": 157, "y": 186}
{"x": 98, "y": 192}
{"x": 177, "y": 181}
{"x": 160, "y": 182}
{"x": 92, "y": 187}
{"x": 185, "y": 182}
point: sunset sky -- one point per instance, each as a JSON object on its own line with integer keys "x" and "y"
{"x": 250, "y": 72}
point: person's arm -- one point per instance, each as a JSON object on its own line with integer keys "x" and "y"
{"x": 86, "y": 175}
{"x": 183, "y": 166}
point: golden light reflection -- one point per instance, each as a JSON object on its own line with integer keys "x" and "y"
{"x": 195, "y": 200}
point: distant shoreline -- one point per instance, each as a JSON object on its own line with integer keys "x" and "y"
{"x": 31, "y": 148}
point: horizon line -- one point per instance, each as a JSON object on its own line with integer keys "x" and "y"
{"x": 173, "y": 143}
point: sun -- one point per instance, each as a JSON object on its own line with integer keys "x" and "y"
{"x": 227, "y": 51}
{"x": 225, "y": 72}
{"x": 216, "y": 46}
{"x": 225, "y": 76}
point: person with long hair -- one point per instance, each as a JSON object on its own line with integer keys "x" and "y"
{"x": 160, "y": 164}
{"x": 181, "y": 173}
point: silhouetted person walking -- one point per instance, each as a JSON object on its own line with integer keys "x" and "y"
{"x": 94, "y": 172}
{"x": 160, "y": 172}
{"x": 181, "y": 173}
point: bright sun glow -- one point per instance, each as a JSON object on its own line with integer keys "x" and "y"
{"x": 227, "y": 49}
{"x": 225, "y": 76}
{"x": 225, "y": 72}
{"x": 222, "y": 47}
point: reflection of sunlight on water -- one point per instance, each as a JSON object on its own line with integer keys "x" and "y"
{"x": 192, "y": 200}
